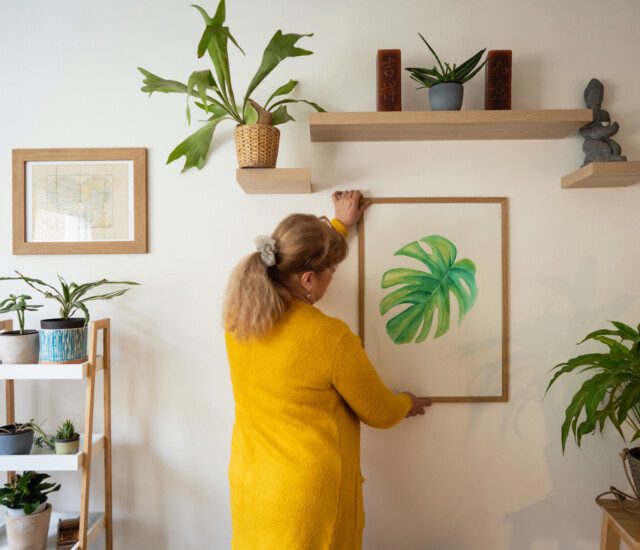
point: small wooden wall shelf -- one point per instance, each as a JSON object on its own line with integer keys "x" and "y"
{"x": 274, "y": 180}
{"x": 603, "y": 174}
{"x": 447, "y": 125}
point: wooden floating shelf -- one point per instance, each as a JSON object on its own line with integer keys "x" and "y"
{"x": 62, "y": 371}
{"x": 603, "y": 174}
{"x": 96, "y": 526}
{"x": 274, "y": 180}
{"x": 49, "y": 461}
{"x": 447, "y": 125}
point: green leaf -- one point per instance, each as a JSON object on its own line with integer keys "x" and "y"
{"x": 249, "y": 115}
{"x": 427, "y": 292}
{"x": 200, "y": 81}
{"x": 629, "y": 398}
{"x": 470, "y": 76}
{"x": 280, "y": 116}
{"x": 465, "y": 68}
{"x": 195, "y": 148}
{"x": 282, "y": 90}
{"x": 626, "y": 332}
{"x": 280, "y": 47}
{"x": 153, "y": 83}
{"x": 284, "y": 101}
{"x": 433, "y": 52}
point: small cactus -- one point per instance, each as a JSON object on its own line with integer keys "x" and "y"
{"x": 67, "y": 431}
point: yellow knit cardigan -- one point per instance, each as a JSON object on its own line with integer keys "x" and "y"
{"x": 300, "y": 394}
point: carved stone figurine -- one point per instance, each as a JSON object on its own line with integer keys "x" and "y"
{"x": 598, "y": 145}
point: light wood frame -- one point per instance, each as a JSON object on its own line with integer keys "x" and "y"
{"x": 504, "y": 204}
{"x": 136, "y": 154}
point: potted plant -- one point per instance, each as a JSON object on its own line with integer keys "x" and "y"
{"x": 17, "y": 439}
{"x": 18, "y": 346}
{"x": 28, "y": 513}
{"x": 64, "y": 339}
{"x": 611, "y": 394}
{"x": 67, "y": 440}
{"x": 257, "y": 137}
{"x": 446, "y": 83}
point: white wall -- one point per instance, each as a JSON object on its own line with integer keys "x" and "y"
{"x": 465, "y": 476}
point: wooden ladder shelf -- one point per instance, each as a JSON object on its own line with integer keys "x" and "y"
{"x": 91, "y": 524}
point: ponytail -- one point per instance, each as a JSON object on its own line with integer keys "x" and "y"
{"x": 257, "y": 295}
{"x": 253, "y": 303}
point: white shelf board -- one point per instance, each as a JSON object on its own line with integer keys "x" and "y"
{"x": 61, "y": 371}
{"x": 48, "y": 461}
{"x": 96, "y": 526}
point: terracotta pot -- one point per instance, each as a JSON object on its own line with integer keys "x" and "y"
{"x": 29, "y": 532}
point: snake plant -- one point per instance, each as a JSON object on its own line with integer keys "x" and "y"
{"x": 426, "y": 292}
{"x": 222, "y": 104}
{"x": 612, "y": 393}
{"x": 446, "y": 73}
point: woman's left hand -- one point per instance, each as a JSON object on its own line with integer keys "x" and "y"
{"x": 349, "y": 206}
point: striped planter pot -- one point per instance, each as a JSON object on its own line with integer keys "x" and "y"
{"x": 67, "y": 345}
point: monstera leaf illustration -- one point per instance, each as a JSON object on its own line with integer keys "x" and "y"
{"x": 426, "y": 292}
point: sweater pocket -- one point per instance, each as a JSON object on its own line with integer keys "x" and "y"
{"x": 359, "y": 503}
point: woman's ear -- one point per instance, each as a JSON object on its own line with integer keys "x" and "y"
{"x": 307, "y": 280}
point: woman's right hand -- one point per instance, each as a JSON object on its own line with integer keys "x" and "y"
{"x": 417, "y": 404}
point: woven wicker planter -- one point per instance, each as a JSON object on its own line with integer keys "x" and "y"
{"x": 257, "y": 145}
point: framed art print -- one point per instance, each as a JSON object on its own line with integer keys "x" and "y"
{"x": 434, "y": 294}
{"x": 80, "y": 201}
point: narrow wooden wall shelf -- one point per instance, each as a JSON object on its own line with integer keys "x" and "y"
{"x": 274, "y": 180}
{"x": 447, "y": 125}
{"x": 603, "y": 174}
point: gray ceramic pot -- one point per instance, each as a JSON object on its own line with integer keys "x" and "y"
{"x": 446, "y": 96}
{"x": 16, "y": 444}
{"x": 16, "y": 348}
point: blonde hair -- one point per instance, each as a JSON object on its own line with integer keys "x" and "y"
{"x": 257, "y": 295}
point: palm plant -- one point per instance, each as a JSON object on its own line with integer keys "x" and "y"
{"x": 612, "y": 394}
{"x": 428, "y": 291}
{"x": 446, "y": 73}
{"x": 223, "y": 105}
{"x": 27, "y": 492}
{"x": 19, "y": 305}
{"x": 71, "y": 296}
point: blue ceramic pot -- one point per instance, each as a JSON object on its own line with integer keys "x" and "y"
{"x": 446, "y": 96}
{"x": 63, "y": 341}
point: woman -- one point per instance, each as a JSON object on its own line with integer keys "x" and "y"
{"x": 302, "y": 384}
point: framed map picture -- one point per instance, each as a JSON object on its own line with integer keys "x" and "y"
{"x": 80, "y": 201}
{"x": 434, "y": 294}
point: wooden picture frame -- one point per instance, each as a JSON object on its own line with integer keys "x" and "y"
{"x": 503, "y": 203}
{"x": 96, "y": 216}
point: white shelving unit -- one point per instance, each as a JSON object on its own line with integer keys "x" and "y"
{"x": 96, "y": 526}
{"x": 91, "y": 444}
